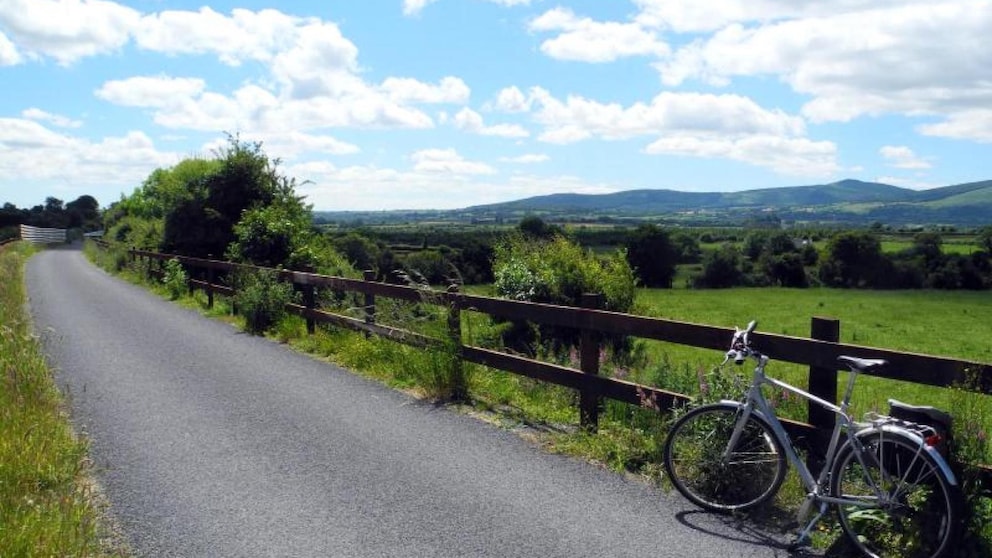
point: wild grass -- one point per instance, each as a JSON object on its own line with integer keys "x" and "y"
{"x": 47, "y": 503}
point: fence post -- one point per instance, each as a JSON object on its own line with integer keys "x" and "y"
{"x": 369, "y": 276}
{"x": 590, "y": 399}
{"x": 211, "y": 276}
{"x": 823, "y": 384}
{"x": 459, "y": 389}
{"x": 309, "y": 299}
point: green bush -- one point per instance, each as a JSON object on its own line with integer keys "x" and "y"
{"x": 175, "y": 278}
{"x": 559, "y": 271}
{"x": 261, "y": 298}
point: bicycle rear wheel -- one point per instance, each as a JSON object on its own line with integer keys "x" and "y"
{"x": 695, "y": 462}
{"x": 918, "y": 518}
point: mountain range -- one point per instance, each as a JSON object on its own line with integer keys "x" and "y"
{"x": 847, "y": 202}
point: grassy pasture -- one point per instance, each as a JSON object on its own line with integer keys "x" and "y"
{"x": 954, "y": 324}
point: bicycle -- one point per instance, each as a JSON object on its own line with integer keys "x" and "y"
{"x": 894, "y": 492}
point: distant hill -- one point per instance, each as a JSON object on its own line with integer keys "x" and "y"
{"x": 847, "y": 202}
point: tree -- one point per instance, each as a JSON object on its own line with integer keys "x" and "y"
{"x": 853, "y": 259}
{"x": 203, "y": 220}
{"x": 358, "y": 249}
{"x": 84, "y": 213}
{"x": 721, "y": 268}
{"x": 653, "y": 256}
{"x": 535, "y": 227}
{"x": 984, "y": 239}
{"x": 687, "y": 247}
{"x": 786, "y": 270}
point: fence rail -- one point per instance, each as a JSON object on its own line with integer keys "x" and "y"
{"x": 819, "y": 352}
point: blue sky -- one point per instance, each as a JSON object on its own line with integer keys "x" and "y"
{"x": 419, "y": 104}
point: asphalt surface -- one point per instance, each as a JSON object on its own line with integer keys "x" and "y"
{"x": 210, "y": 442}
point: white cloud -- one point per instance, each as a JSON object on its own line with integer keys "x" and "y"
{"x": 792, "y": 156}
{"x": 405, "y": 90}
{"x": 413, "y": 7}
{"x": 8, "y": 52}
{"x": 470, "y": 121}
{"x": 585, "y": 40}
{"x": 512, "y": 99}
{"x": 244, "y": 35}
{"x": 969, "y": 124}
{"x": 691, "y": 16}
{"x": 668, "y": 112}
{"x": 526, "y": 159}
{"x": 902, "y": 157}
{"x": 67, "y": 30}
{"x": 151, "y": 91}
{"x": 35, "y": 153}
{"x": 54, "y": 119}
{"x": 855, "y": 59}
{"x": 447, "y": 161}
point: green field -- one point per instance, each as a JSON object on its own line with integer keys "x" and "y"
{"x": 951, "y": 324}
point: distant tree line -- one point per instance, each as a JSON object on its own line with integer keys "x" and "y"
{"x": 83, "y": 214}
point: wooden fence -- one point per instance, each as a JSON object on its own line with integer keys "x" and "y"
{"x": 819, "y": 352}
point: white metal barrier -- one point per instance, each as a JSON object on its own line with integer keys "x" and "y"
{"x": 38, "y": 235}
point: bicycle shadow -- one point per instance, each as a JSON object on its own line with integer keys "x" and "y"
{"x": 748, "y": 531}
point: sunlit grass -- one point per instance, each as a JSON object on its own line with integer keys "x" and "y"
{"x": 47, "y": 505}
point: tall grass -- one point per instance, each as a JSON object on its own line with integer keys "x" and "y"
{"x": 47, "y": 505}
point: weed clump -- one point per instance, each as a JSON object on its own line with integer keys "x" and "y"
{"x": 262, "y": 298}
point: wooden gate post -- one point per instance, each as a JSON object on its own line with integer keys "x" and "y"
{"x": 590, "y": 400}
{"x": 309, "y": 299}
{"x": 823, "y": 384}
{"x": 459, "y": 387}
{"x": 211, "y": 275}
{"x": 369, "y": 275}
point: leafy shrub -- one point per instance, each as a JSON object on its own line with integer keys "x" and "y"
{"x": 175, "y": 278}
{"x": 558, "y": 271}
{"x": 261, "y": 297}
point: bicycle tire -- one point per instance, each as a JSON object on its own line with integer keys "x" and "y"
{"x": 692, "y": 459}
{"x": 921, "y": 523}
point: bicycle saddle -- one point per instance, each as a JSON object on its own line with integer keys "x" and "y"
{"x": 862, "y": 364}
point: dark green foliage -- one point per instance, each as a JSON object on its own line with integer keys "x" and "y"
{"x": 653, "y": 256}
{"x": 175, "y": 278}
{"x": 358, "y": 249}
{"x": 83, "y": 213}
{"x": 853, "y": 260}
{"x": 261, "y": 298}
{"x": 430, "y": 267}
{"x": 687, "y": 248}
{"x": 785, "y": 270}
{"x": 558, "y": 271}
{"x": 721, "y": 269}
{"x": 202, "y": 223}
{"x": 535, "y": 227}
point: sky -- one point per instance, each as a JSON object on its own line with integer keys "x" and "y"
{"x": 444, "y": 104}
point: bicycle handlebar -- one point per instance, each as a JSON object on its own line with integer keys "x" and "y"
{"x": 740, "y": 345}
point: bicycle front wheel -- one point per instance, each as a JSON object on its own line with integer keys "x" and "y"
{"x": 701, "y": 469}
{"x": 907, "y": 507}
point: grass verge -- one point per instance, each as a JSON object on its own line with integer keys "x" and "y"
{"x": 48, "y": 506}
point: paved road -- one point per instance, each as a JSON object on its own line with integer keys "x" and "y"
{"x": 213, "y": 443}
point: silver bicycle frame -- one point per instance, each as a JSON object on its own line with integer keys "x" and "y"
{"x": 755, "y": 402}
